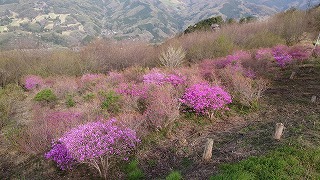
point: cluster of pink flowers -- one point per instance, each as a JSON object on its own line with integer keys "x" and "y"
{"x": 159, "y": 78}
{"x": 115, "y": 77}
{"x": 264, "y": 54}
{"x": 60, "y": 154}
{"x": 281, "y": 55}
{"x": 32, "y": 81}
{"x": 175, "y": 80}
{"x": 98, "y": 139}
{"x": 155, "y": 77}
{"x": 232, "y": 59}
{"x": 91, "y": 78}
{"x": 250, "y": 73}
{"x": 300, "y": 53}
{"x": 204, "y": 98}
{"x": 133, "y": 90}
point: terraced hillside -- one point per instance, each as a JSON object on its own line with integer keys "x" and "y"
{"x": 71, "y": 22}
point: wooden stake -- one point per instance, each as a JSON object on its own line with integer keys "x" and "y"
{"x": 292, "y": 75}
{"x": 279, "y": 131}
{"x": 207, "y": 154}
{"x": 313, "y": 99}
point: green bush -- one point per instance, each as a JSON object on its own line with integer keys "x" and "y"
{"x": 111, "y": 101}
{"x": 89, "y": 97}
{"x": 133, "y": 171}
{"x": 174, "y": 175}
{"x": 284, "y": 163}
{"x": 70, "y": 101}
{"x": 45, "y": 95}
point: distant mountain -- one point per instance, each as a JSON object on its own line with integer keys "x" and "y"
{"x": 70, "y": 22}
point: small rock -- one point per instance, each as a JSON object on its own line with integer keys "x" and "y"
{"x": 314, "y": 99}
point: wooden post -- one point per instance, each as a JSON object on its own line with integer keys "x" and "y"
{"x": 279, "y": 131}
{"x": 292, "y": 75}
{"x": 207, "y": 154}
{"x": 313, "y": 99}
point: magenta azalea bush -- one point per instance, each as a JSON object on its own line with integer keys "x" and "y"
{"x": 175, "y": 80}
{"x": 133, "y": 90}
{"x": 159, "y": 78}
{"x": 281, "y": 55}
{"x": 32, "y": 81}
{"x": 61, "y": 155}
{"x": 95, "y": 143}
{"x": 232, "y": 59}
{"x": 300, "y": 53}
{"x": 264, "y": 54}
{"x": 203, "y": 98}
{"x": 155, "y": 77}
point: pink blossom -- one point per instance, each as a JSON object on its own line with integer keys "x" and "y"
{"x": 32, "y": 81}
{"x": 204, "y": 98}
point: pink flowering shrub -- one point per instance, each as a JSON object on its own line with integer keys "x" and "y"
{"x": 204, "y": 99}
{"x": 281, "y": 55}
{"x": 98, "y": 144}
{"x": 61, "y": 121}
{"x": 32, "y": 82}
{"x": 175, "y": 80}
{"x": 250, "y": 73}
{"x": 232, "y": 59}
{"x": 159, "y": 78}
{"x": 162, "y": 107}
{"x": 133, "y": 96}
{"x": 89, "y": 80}
{"x": 154, "y": 77}
{"x": 300, "y": 53}
{"x": 264, "y": 54}
{"x": 61, "y": 155}
{"x": 260, "y": 65}
{"x": 133, "y": 90}
{"x": 207, "y": 68}
{"x": 244, "y": 89}
{"x": 115, "y": 78}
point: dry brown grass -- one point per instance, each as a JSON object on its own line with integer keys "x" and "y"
{"x": 102, "y": 56}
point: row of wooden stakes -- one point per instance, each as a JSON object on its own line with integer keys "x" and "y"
{"x": 207, "y": 154}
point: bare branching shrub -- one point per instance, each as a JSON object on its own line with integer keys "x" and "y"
{"x": 245, "y": 90}
{"x": 106, "y": 56}
{"x": 290, "y": 25}
{"x": 36, "y": 136}
{"x": 163, "y": 107}
{"x": 172, "y": 57}
{"x": 202, "y": 45}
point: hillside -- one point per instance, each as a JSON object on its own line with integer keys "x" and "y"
{"x": 202, "y": 105}
{"x": 243, "y": 132}
{"x": 69, "y": 23}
